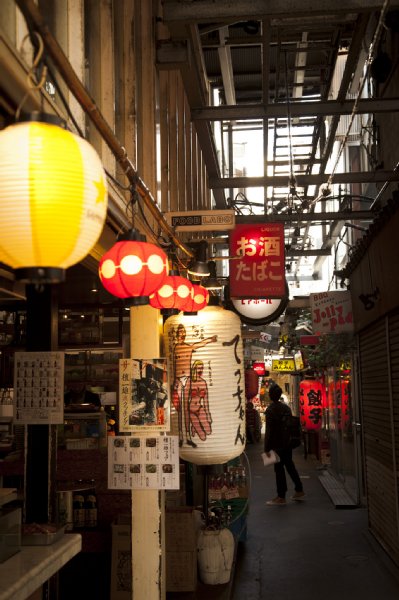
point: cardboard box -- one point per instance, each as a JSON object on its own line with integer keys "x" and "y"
{"x": 180, "y": 530}
{"x": 121, "y": 559}
{"x": 181, "y": 571}
{"x": 10, "y": 532}
{"x": 181, "y": 549}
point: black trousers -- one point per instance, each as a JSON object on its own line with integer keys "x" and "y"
{"x": 286, "y": 463}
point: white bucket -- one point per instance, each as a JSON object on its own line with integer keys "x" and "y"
{"x": 215, "y": 555}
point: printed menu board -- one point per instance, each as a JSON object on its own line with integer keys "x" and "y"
{"x": 39, "y": 388}
{"x": 143, "y": 463}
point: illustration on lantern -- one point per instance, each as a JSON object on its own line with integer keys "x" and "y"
{"x": 190, "y": 391}
{"x": 206, "y": 359}
{"x": 197, "y": 417}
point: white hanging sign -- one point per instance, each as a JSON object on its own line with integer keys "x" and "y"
{"x": 331, "y": 312}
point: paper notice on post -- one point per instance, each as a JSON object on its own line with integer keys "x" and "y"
{"x": 143, "y": 463}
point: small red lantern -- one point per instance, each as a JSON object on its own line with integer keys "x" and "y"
{"x": 339, "y": 406}
{"x": 311, "y": 402}
{"x": 133, "y": 268}
{"x": 251, "y": 383}
{"x": 175, "y": 293}
{"x": 199, "y": 299}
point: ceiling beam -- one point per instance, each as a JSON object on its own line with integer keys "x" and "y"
{"x": 209, "y": 11}
{"x": 320, "y": 252}
{"x": 347, "y": 215}
{"x": 297, "y": 109}
{"x": 303, "y": 180}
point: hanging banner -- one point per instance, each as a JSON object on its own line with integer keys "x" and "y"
{"x": 143, "y": 395}
{"x": 331, "y": 312}
{"x": 259, "y": 270}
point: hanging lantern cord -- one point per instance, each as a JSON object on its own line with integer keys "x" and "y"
{"x": 37, "y": 74}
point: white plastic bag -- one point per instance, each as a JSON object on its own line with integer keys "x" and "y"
{"x": 271, "y": 459}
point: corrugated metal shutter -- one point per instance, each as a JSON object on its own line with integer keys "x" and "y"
{"x": 379, "y": 367}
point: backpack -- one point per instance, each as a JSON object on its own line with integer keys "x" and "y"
{"x": 292, "y": 430}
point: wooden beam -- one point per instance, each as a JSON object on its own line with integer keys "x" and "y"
{"x": 245, "y": 112}
{"x": 304, "y": 180}
{"x": 209, "y": 11}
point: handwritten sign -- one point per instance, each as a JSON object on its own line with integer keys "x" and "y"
{"x": 331, "y": 312}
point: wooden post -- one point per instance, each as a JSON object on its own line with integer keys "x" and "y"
{"x": 148, "y": 539}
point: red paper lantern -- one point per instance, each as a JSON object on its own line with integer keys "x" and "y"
{"x": 311, "y": 402}
{"x": 251, "y": 383}
{"x": 339, "y": 408}
{"x": 133, "y": 268}
{"x": 199, "y": 299}
{"x": 175, "y": 293}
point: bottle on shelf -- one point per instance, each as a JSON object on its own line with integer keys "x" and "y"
{"x": 79, "y": 513}
{"x": 111, "y": 421}
{"x": 91, "y": 509}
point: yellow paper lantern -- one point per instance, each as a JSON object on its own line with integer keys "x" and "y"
{"x": 53, "y": 199}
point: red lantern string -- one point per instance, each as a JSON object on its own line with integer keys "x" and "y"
{"x": 198, "y": 300}
{"x": 311, "y": 403}
{"x": 133, "y": 268}
{"x": 175, "y": 293}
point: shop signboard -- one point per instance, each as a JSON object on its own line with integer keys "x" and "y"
{"x": 331, "y": 312}
{"x": 257, "y": 268}
{"x": 259, "y": 368}
{"x": 298, "y": 359}
{"x": 202, "y": 220}
{"x": 283, "y": 365}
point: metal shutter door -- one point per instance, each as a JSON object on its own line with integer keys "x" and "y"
{"x": 378, "y": 430}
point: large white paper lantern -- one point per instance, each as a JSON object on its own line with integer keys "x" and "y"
{"x": 206, "y": 361}
{"x": 53, "y": 199}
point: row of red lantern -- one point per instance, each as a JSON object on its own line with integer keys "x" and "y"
{"x": 313, "y": 399}
{"x": 137, "y": 270}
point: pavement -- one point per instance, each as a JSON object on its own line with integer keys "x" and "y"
{"x": 308, "y": 549}
{"x": 318, "y": 548}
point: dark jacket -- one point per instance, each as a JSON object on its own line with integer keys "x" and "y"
{"x": 276, "y": 435}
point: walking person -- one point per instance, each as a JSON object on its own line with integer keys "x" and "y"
{"x": 277, "y": 439}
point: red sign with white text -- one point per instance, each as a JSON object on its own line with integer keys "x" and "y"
{"x": 259, "y": 270}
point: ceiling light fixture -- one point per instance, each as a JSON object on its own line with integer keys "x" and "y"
{"x": 198, "y": 266}
{"x": 212, "y": 282}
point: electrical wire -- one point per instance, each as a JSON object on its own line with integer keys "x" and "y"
{"x": 362, "y": 83}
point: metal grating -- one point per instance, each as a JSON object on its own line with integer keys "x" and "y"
{"x": 335, "y": 489}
